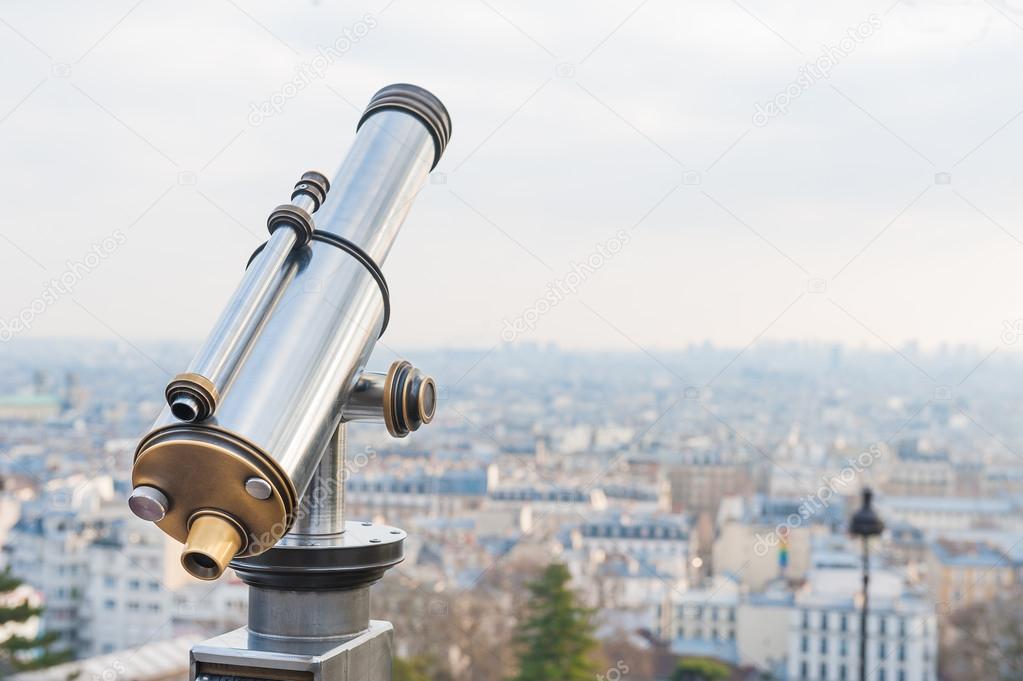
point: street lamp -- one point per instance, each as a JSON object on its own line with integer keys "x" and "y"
{"x": 866, "y": 523}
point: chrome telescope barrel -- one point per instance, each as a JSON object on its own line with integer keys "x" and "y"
{"x": 290, "y": 351}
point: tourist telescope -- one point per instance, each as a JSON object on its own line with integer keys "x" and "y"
{"x": 246, "y": 464}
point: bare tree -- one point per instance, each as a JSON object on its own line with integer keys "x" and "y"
{"x": 985, "y": 641}
{"x": 461, "y": 635}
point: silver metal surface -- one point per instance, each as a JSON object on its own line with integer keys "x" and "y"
{"x": 223, "y": 349}
{"x": 305, "y": 202}
{"x": 258, "y": 488}
{"x": 366, "y": 402}
{"x": 362, "y": 545}
{"x": 365, "y": 657}
{"x": 148, "y": 503}
{"x": 322, "y": 509}
{"x": 375, "y": 186}
{"x": 286, "y": 397}
{"x": 308, "y": 615}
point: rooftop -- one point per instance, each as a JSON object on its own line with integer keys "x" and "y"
{"x": 969, "y": 554}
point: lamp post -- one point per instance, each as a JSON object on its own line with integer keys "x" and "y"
{"x": 866, "y": 523}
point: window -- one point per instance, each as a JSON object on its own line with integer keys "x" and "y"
{"x": 802, "y": 670}
{"x": 109, "y": 604}
{"x": 842, "y": 672}
{"x": 109, "y": 581}
{"x": 804, "y": 644}
{"x": 902, "y": 626}
{"x": 880, "y": 674}
{"x": 881, "y": 650}
{"x": 843, "y": 647}
{"x": 731, "y": 614}
{"x": 902, "y": 652}
{"x": 824, "y": 670}
{"x": 844, "y": 623}
{"x": 881, "y": 625}
{"x": 824, "y": 644}
{"x": 806, "y": 619}
{"x": 134, "y": 584}
{"x": 901, "y": 675}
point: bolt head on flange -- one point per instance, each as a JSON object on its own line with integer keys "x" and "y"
{"x": 258, "y": 488}
{"x": 148, "y": 503}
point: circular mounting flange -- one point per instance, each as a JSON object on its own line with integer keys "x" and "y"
{"x": 357, "y": 557}
{"x": 183, "y": 461}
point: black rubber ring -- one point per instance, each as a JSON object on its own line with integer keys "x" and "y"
{"x": 313, "y": 184}
{"x": 299, "y": 219}
{"x": 360, "y": 255}
{"x": 398, "y": 388}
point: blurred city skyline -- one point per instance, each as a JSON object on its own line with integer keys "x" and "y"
{"x": 621, "y": 176}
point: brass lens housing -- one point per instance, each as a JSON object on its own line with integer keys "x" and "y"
{"x": 196, "y": 465}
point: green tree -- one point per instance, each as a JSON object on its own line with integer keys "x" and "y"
{"x": 700, "y": 669}
{"x": 18, "y": 653}
{"x": 555, "y": 642}
{"x": 415, "y": 668}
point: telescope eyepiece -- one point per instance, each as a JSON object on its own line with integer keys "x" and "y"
{"x": 192, "y": 397}
{"x": 184, "y": 408}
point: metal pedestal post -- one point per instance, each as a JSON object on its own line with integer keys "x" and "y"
{"x": 309, "y": 596}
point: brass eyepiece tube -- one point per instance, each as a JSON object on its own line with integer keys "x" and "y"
{"x": 296, "y": 355}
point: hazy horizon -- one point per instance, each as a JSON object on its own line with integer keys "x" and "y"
{"x": 726, "y": 188}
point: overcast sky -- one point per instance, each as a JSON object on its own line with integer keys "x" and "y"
{"x": 746, "y": 194}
